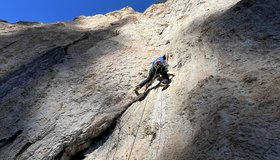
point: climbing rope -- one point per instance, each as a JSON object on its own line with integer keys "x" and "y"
{"x": 138, "y": 128}
{"x": 120, "y": 128}
{"x": 160, "y": 121}
{"x": 160, "y": 124}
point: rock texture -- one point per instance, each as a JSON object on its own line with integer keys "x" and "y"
{"x": 66, "y": 89}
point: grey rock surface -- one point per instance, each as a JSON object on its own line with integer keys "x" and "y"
{"x": 66, "y": 89}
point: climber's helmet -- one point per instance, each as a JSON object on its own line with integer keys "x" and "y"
{"x": 158, "y": 62}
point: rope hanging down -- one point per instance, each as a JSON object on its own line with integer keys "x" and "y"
{"x": 138, "y": 128}
{"x": 160, "y": 124}
{"x": 120, "y": 130}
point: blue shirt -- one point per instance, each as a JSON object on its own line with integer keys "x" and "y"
{"x": 159, "y": 58}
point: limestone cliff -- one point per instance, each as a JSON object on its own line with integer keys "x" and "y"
{"x": 66, "y": 89}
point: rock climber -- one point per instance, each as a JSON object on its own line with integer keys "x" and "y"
{"x": 159, "y": 67}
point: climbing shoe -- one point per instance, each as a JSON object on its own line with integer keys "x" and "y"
{"x": 165, "y": 81}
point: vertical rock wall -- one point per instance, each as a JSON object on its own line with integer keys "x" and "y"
{"x": 66, "y": 89}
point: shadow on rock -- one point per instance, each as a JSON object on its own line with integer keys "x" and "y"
{"x": 150, "y": 88}
{"x": 23, "y": 89}
{"x": 235, "y": 118}
{"x": 230, "y": 125}
{"x": 250, "y": 26}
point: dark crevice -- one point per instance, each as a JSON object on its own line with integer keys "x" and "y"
{"x": 23, "y": 76}
{"x": 98, "y": 141}
{"x": 8, "y": 45}
{"x": 84, "y": 37}
{"x": 29, "y": 71}
{"x": 6, "y": 141}
{"x": 24, "y": 148}
{"x": 59, "y": 155}
{"x": 26, "y": 72}
{"x": 94, "y": 143}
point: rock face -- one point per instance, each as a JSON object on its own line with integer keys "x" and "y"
{"x": 66, "y": 89}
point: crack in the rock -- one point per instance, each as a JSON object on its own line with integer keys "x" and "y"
{"x": 84, "y": 37}
{"x": 24, "y": 148}
{"x": 107, "y": 132}
{"x": 8, "y": 45}
{"x": 29, "y": 71}
{"x": 26, "y": 72}
{"x": 96, "y": 141}
{"x": 6, "y": 141}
